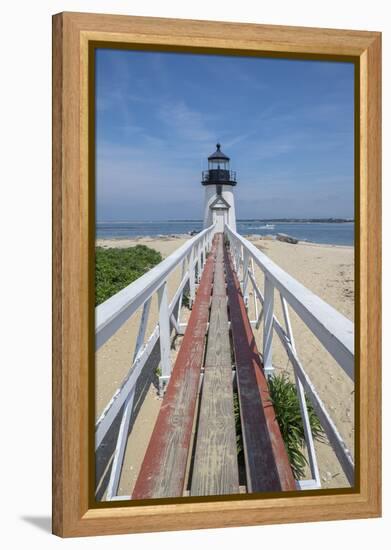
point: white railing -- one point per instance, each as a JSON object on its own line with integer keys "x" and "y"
{"x": 113, "y": 313}
{"x": 332, "y": 329}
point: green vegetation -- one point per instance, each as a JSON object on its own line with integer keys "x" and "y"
{"x": 287, "y": 408}
{"x": 115, "y": 268}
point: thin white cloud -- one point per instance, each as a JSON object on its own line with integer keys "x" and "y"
{"x": 185, "y": 122}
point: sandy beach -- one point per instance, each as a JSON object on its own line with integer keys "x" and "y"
{"x": 327, "y": 270}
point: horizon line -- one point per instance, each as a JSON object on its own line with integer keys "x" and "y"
{"x": 309, "y": 218}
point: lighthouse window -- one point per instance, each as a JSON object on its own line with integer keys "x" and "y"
{"x": 218, "y": 190}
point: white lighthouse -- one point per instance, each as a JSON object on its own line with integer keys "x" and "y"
{"x": 219, "y": 182}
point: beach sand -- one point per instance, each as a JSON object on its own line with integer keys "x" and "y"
{"x": 327, "y": 270}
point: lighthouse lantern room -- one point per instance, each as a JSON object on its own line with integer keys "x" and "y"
{"x": 219, "y": 181}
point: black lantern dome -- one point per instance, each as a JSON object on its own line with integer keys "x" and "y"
{"x": 218, "y": 169}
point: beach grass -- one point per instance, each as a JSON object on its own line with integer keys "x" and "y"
{"x": 284, "y": 397}
{"x": 115, "y": 268}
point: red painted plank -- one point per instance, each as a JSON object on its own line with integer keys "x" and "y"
{"x": 267, "y": 463}
{"x": 163, "y": 470}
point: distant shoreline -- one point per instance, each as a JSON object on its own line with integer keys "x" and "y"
{"x": 244, "y": 220}
{"x": 144, "y": 239}
{"x": 341, "y": 233}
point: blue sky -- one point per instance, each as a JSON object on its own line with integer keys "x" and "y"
{"x": 287, "y": 125}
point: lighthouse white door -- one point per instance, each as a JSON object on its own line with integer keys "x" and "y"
{"x": 219, "y": 218}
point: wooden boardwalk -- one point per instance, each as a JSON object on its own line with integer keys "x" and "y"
{"x": 215, "y": 469}
{"x": 166, "y": 465}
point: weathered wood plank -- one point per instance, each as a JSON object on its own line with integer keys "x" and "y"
{"x": 218, "y": 348}
{"x": 163, "y": 470}
{"x": 267, "y": 464}
{"x": 215, "y": 470}
{"x": 219, "y": 283}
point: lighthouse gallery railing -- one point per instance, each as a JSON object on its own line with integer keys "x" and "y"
{"x": 114, "y": 312}
{"x": 332, "y": 329}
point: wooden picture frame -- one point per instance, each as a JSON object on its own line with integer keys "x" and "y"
{"x": 73, "y": 33}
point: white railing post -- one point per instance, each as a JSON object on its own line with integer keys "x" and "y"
{"x": 164, "y": 330}
{"x": 245, "y": 276}
{"x": 236, "y": 257}
{"x": 199, "y": 268}
{"x": 191, "y": 268}
{"x": 183, "y": 271}
{"x": 242, "y": 263}
{"x": 255, "y": 294}
{"x": 202, "y": 254}
{"x": 233, "y": 252}
{"x": 122, "y": 438}
{"x": 143, "y": 327}
{"x": 302, "y": 401}
{"x": 268, "y": 314}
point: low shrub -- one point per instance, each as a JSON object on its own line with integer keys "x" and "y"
{"x": 115, "y": 268}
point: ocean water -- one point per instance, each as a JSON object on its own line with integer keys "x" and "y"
{"x": 317, "y": 232}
